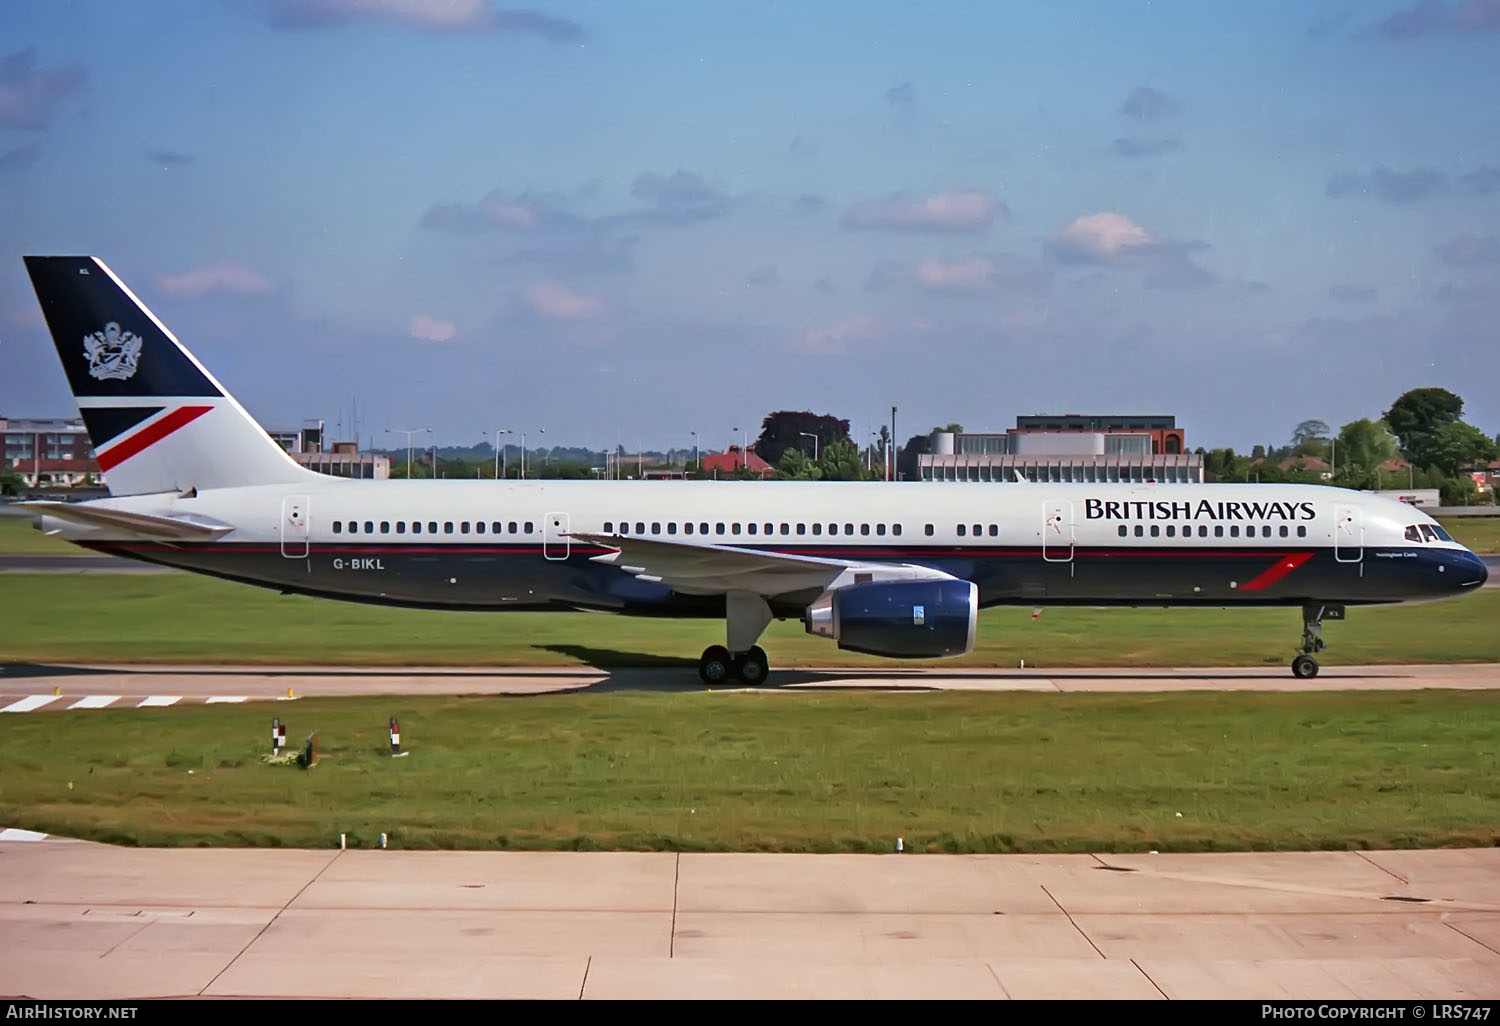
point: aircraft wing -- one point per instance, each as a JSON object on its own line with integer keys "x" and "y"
{"x": 697, "y": 568}
{"x": 170, "y": 528}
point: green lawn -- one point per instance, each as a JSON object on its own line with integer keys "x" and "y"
{"x": 778, "y": 772}
{"x": 189, "y": 618}
{"x": 1482, "y": 534}
{"x": 19, "y": 538}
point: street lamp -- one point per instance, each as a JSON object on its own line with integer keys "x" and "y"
{"x": 499, "y": 453}
{"x": 408, "y": 432}
{"x": 809, "y": 434}
{"x": 695, "y": 450}
{"x": 540, "y": 431}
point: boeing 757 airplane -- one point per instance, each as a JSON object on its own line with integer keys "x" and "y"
{"x": 898, "y": 570}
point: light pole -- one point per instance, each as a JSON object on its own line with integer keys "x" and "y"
{"x": 540, "y": 431}
{"x": 408, "y": 432}
{"x": 809, "y": 434}
{"x": 695, "y": 450}
{"x": 499, "y": 453}
{"x": 434, "y": 461}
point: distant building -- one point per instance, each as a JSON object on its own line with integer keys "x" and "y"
{"x": 1068, "y": 448}
{"x": 732, "y": 461}
{"x": 342, "y": 459}
{"x": 49, "y": 452}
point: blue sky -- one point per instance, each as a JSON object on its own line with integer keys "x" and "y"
{"x": 628, "y": 221}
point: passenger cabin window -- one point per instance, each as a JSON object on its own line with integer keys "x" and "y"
{"x": 369, "y": 527}
{"x": 718, "y": 529}
{"x": 848, "y": 528}
{"x": 401, "y": 527}
{"x": 1218, "y": 530}
{"x": 880, "y": 529}
{"x": 702, "y": 528}
{"x": 640, "y": 527}
{"x": 527, "y": 525}
{"x": 928, "y": 530}
{"x": 671, "y": 527}
{"x": 1139, "y": 530}
{"x": 864, "y": 529}
{"x": 1284, "y": 531}
{"x": 479, "y": 527}
{"x": 771, "y": 529}
{"x": 385, "y": 527}
{"x": 1265, "y": 531}
{"x": 750, "y": 528}
{"x": 496, "y": 527}
{"x": 656, "y": 527}
{"x": 785, "y": 528}
{"x": 687, "y": 528}
{"x": 353, "y": 527}
{"x": 978, "y": 530}
{"x": 463, "y": 528}
{"x": 895, "y": 528}
{"x": 994, "y": 530}
{"x": 432, "y": 527}
{"x": 512, "y": 527}
{"x": 801, "y": 528}
{"x": 1171, "y": 530}
{"x": 1123, "y": 531}
{"x": 416, "y": 527}
{"x": 1155, "y": 531}
{"x": 447, "y": 527}
{"x": 338, "y": 527}
{"x": 817, "y": 528}
{"x": 734, "y": 528}
{"x": 1202, "y": 530}
{"x": 1301, "y": 530}
{"x": 609, "y": 527}
{"x": 1234, "y": 530}
{"x": 960, "y": 530}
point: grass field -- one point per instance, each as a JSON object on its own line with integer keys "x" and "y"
{"x": 1482, "y": 534}
{"x": 187, "y": 618}
{"x": 778, "y": 772}
{"x": 19, "y": 538}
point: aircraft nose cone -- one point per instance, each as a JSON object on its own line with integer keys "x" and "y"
{"x": 1478, "y": 571}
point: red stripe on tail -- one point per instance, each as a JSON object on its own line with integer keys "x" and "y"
{"x": 150, "y": 435}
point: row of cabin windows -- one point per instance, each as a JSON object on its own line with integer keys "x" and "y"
{"x": 756, "y": 529}
{"x": 1234, "y": 531}
{"x": 416, "y": 527}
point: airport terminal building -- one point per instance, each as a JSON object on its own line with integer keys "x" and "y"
{"x": 1070, "y": 448}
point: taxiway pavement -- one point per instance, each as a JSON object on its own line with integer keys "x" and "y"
{"x": 88, "y": 921}
{"x": 52, "y": 688}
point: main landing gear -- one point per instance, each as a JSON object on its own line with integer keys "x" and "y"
{"x": 746, "y": 616}
{"x": 1313, "y": 615}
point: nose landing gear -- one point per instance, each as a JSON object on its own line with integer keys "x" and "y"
{"x": 1313, "y": 615}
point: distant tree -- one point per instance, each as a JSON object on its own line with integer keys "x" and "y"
{"x": 796, "y": 465}
{"x": 1417, "y": 414}
{"x": 916, "y": 447}
{"x": 1309, "y": 430}
{"x": 783, "y": 430}
{"x": 840, "y": 462}
{"x": 1363, "y": 445}
{"x": 1258, "y": 453}
{"x": 1456, "y": 446}
{"x": 10, "y": 482}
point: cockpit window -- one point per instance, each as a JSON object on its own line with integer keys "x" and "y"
{"x": 1442, "y": 533}
{"x": 1412, "y": 534}
{"x": 1430, "y": 534}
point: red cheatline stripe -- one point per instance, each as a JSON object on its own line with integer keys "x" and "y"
{"x": 150, "y": 435}
{"x": 1278, "y": 570}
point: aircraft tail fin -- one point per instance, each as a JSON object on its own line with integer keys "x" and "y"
{"x": 157, "y": 419}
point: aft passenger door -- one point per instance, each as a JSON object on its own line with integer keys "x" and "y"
{"x": 555, "y": 540}
{"x": 294, "y": 526}
{"x": 1057, "y": 532}
{"x": 1348, "y": 534}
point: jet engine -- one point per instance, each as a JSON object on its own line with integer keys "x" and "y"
{"x": 899, "y": 619}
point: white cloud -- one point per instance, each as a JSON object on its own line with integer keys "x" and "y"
{"x": 225, "y": 276}
{"x": 550, "y": 299}
{"x": 430, "y": 329}
{"x": 1099, "y": 238}
{"x": 960, "y": 210}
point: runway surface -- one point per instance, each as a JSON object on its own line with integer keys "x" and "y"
{"x": 53, "y": 688}
{"x": 94, "y": 564}
{"x": 87, "y": 921}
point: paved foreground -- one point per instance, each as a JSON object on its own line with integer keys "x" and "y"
{"x": 81, "y": 920}
{"x": 51, "y": 688}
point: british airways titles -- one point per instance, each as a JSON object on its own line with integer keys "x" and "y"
{"x": 1105, "y": 509}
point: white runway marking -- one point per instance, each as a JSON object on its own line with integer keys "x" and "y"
{"x": 227, "y": 698}
{"x": 153, "y": 700}
{"x": 95, "y": 702}
{"x": 13, "y": 834}
{"x": 29, "y": 703}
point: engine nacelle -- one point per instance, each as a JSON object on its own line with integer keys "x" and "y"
{"x": 901, "y": 619}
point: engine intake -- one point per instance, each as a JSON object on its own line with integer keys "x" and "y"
{"x": 901, "y": 619}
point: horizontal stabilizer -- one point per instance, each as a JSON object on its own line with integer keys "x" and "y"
{"x": 137, "y": 523}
